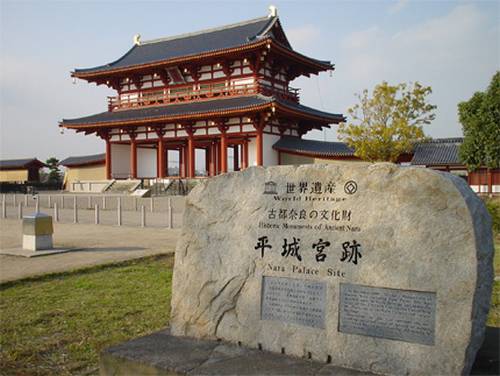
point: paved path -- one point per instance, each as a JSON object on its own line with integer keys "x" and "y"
{"x": 99, "y": 245}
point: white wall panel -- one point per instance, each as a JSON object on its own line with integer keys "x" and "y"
{"x": 270, "y": 157}
{"x": 146, "y": 162}
{"x": 120, "y": 160}
{"x": 233, "y": 129}
{"x": 252, "y": 152}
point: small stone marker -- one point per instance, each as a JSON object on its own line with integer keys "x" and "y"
{"x": 37, "y": 232}
{"x": 377, "y": 268}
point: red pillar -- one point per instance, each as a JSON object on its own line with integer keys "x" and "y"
{"x": 259, "y": 147}
{"x": 222, "y": 127}
{"x": 161, "y": 157}
{"x": 191, "y": 156}
{"x": 218, "y": 165}
{"x": 108, "y": 159}
{"x": 259, "y": 123}
{"x": 223, "y": 152}
{"x": 211, "y": 169}
{"x": 244, "y": 157}
{"x": 133, "y": 157}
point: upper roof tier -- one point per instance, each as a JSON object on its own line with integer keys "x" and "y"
{"x": 218, "y": 42}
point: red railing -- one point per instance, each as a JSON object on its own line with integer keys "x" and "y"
{"x": 186, "y": 93}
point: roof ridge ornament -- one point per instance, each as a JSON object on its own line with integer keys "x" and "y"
{"x": 137, "y": 39}
{"x": 273, "y": 11}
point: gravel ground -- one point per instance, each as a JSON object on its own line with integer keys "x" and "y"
{"x": 98, "y": 244}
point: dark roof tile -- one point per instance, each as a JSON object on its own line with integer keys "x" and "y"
{"x": 83, "y": 159}
{"x": 441, "y": 151}
{"x": 19, "y": 163}
{"x": 193, "y": 108}
{"x": 313, "y": 147}
{"x": 229, "y": 36}
{"x": 171, "y": 110}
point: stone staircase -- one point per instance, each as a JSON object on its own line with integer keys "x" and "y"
{"x": 123, "y": 186}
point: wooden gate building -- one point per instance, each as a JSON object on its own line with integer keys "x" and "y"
{"x": 222, "y": 91}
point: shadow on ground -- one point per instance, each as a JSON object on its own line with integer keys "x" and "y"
{"x": 111, "y": 249}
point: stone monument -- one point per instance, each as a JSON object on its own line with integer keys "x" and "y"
{"x": 37, "y": 232}
{"x": 373, "y": 267}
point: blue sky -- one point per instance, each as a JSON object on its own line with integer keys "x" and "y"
{"x": 452, "y": 46}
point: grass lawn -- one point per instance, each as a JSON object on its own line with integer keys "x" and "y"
{"x": 494, "y": 316}
{"x": 57, "y": 325}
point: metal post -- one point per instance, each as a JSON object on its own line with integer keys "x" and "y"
{"x": 37, "y": 204}
{"x": 89, "y": 203}
{"x": 143, "y": 216}
{"x": 119, "y": 211}
{"x": 26, "y": 200}
{"x": 50, "y": 201}
{"x": 56, "y": 212}
{"x": 96, "y": 208}
{"x": 4, "y": 207}
{"x": 14, "y": 200}
{"x": 152, "y": 205}
{"x": 75, "y": 209}
{"x": 20, "y": 211}
{"x": 169, "y": 213}
{"x": 135, "y": 203}
{"x": 104, "y": 202}
{"x": 62, "y": 202}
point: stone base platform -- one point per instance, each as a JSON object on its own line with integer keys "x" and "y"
{"x": 28, "y": 253}
{"x": 163, "y": 354}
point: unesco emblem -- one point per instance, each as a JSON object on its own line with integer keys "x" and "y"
{"x": 350, "y": 187}
{"x": 270, "y": 188}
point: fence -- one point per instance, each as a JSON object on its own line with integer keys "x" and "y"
{"x": 98, "y": 209}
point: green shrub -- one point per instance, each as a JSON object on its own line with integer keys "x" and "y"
{"x": 493, "y": 206}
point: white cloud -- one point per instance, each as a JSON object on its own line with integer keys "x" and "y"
{"x": 456, "y": 54}
{"x": 397, "y": 6}
{"x": 303, "y": 36}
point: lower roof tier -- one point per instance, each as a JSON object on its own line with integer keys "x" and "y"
{"x": 209, "y": 109}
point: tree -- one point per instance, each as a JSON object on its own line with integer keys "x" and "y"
{"x": 388, "y": 123}
{"x": 480, "y": 118}
{"x": 54, "y": 175}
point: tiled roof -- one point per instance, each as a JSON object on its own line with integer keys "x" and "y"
{"x": 194, "y": 108}
{"x": 192, "y": 44}
{"x": 171, "y": 110}
{"x": 443, "y": 151}
{"x": 83, "y": 159}
{"x": 19, "y": 163}
{"x": 313, "y": 147}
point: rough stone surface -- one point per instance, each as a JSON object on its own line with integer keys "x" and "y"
{"x": 417, "y": 230}
{"x": 163, "y": 354}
